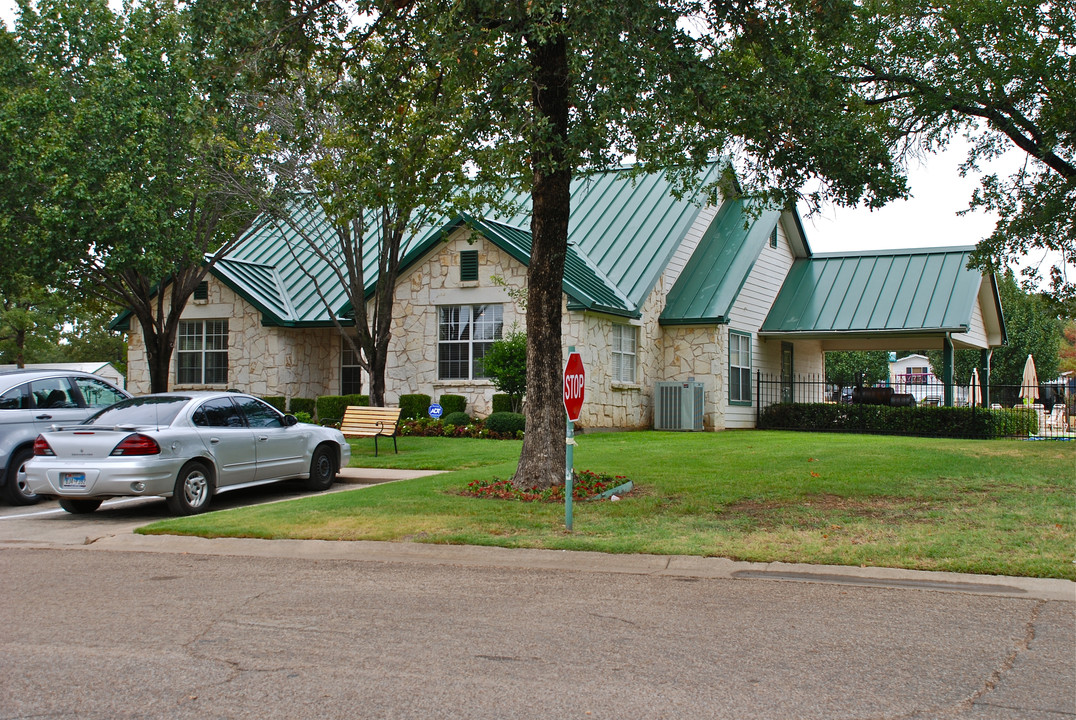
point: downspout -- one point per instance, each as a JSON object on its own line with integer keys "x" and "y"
{"x": 947, "y": 369}
{"x": 986, "y": 356}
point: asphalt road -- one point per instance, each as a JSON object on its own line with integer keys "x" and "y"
{"x": 156, "y": 627}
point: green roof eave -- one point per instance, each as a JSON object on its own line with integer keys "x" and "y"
{"x": 889, "y": 292}
{"x": 716, "y": 320}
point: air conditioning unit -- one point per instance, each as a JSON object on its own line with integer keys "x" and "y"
{"x": 678, "y": 405}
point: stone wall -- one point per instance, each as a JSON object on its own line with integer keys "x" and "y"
{"x": 293, "y": 362}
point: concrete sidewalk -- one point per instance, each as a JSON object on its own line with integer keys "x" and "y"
{"x": 374, "y": 476}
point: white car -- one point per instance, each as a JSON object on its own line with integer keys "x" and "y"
{"x": 185, "y": 447}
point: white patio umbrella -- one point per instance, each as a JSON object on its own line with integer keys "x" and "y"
{"x": 975, "y": 397}
{"x": 1029, "y": 385}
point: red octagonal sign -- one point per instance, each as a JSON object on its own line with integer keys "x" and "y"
{"x": 574, "y": 384}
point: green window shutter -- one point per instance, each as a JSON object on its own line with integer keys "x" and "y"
{"x": 773, "y": 237}
{"x": 468, "y": 265}
{"x": 201, "y": 291}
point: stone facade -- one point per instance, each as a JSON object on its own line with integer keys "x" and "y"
{"x": 305, "y": 362}
{"x": 294, "y": 362}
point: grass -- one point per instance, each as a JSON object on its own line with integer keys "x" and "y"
{"x": 994, "y": 507}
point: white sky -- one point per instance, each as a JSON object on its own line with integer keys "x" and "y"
{"x": 928, "y": 219}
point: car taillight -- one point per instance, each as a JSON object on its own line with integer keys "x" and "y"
{"x": 137, "y": 445}
{"x": 41, "y": 446}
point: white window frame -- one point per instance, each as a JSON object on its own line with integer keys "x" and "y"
{"x": 486, "y": 321}
{"x": 624, "y": 348}
{"x": 199, "y": 340}
{"x": 739, "y": 372}
{"x": 346, "y": 355}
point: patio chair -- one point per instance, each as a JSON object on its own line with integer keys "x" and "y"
{"x": 1056, "y": 420}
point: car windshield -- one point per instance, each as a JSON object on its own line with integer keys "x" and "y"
{"x": 140, "y": 411}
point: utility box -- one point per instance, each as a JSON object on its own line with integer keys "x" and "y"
{"x": 679, "y": 405}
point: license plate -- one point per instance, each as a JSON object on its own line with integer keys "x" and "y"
{"x": 70, "y": 480}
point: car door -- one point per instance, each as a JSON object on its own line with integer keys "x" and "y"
{"x": 281, "y": 448}
{"x": 96, "y": 393}
{"x": 228, "y": 439}
{"x": 55, "y": 403}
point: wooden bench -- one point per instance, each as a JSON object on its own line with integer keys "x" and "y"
{"x": 375, "y": 422}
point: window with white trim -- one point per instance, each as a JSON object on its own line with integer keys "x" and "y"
{"x": 624, "y": 344}
{"x": 465, "y": 333}
{"x": 202, "y": 352}
{"x": 350, "y": 370}
{"x": 739, "y": 367}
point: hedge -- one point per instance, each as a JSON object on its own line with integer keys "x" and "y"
{"x": 331, "y": 407}
{"x": 414, "y": 406}
{"x": 922, "y": 421}
{"x": 506, "y": 422}
{"x": 276, "y": 401}
{"x": 502, "y": 402}
{"x": 456, "y": 418}
{"x": 306, "y": 405}
{"x": 452, "y": 404}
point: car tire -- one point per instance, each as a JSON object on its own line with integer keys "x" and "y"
{"x": 16, "y": 490}
{"x": 79, "y": 506}
{"x": 193, "y": 491}
{"x": 322, "y": 470}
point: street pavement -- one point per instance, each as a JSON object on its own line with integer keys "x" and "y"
{"x": 102, "y": 623}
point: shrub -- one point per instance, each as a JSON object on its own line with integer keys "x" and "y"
{"x": 303, "y": 417}
{"x": 920, "y": 421}
{"x": 363, "y": 400}
{"x": 456, "y": 418}
{"x": 276, "y": 401}
{"x": 505, "y": 363}
{"x": 414, "y": 406}
{"x": 330, "y": 408}
{"x": 302, "y": 405}
{"x": 502, "y": 403}
{"x": 452, "y": 404}
{"x": 505, "y": 422}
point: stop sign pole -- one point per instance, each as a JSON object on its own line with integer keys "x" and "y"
{"x": 574, "y": 386}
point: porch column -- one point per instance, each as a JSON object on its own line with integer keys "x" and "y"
{"x": 984, "y": 376}
{"x": 947, "y": 370}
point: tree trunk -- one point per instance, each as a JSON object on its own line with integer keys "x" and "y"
{"x": 541, "y": 464}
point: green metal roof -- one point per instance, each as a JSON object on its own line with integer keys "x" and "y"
{"x": 622, "y": 232}
{"x": 892, "y": 291}
{"x": 707, "y": 288}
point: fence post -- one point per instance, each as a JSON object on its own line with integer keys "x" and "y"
{"x": 758, "y": 396}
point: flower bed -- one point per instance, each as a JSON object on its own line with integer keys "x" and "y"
{"x": 585, "y": 485}
{"x": 426, "y": 427}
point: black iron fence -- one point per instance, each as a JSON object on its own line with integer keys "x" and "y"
{"x": 1049, "y": 409}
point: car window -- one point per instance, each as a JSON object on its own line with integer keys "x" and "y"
{"x": 52, "y": 393}
{"x": 17, "y": 398}
{"x": 219, "y": 412}
{"x": 98, "y": 393}
{"x": 260, "y": 414}
{"x": 159, "y": 411}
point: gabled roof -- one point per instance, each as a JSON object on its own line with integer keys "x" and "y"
{"x": 707, "y": 288}
{"x": 622, "y": 232}
{"x": 891, "y": 292}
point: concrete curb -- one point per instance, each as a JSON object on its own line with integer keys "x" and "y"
{"x": 574, "y": 561}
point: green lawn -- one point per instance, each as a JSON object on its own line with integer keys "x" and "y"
{"x": 997, "y": 507}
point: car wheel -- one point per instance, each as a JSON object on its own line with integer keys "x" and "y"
{"x": 322, "y": 470}
{"x": 193, "y": 491}
{"x": 79, "y": 506}
{"x": 18, "y": 492}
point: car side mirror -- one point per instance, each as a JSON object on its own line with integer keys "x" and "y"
{"x": 290, "y": 420}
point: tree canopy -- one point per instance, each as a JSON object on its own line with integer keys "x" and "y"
{"x": 1000, "y": 72}
{"x": 140, "y": 159}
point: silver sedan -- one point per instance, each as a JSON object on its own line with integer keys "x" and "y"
{"x": 183, "y": 446}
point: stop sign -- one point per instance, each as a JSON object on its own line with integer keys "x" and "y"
{"x": 574, "y": 384}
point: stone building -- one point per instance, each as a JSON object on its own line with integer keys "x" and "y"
{"x": 657, "y": 289}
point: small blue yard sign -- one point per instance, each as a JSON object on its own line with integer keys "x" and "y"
{"x": 436, "y": 411}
